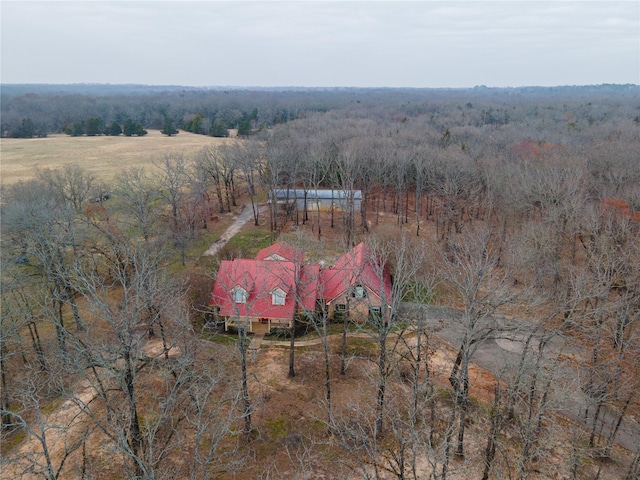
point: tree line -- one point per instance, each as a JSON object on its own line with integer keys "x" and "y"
{"x": 199, "y": 111}
{"x": 211, "y": 111}
{"x": 96, "y": 126}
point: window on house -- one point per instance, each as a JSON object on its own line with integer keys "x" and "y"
{"x": 240, "y": 295}
{"x": 341, "y": 307}
{"x": 278, "y": 297}
{"x": 375, "y": 313}
{"x": 358, "y": 292}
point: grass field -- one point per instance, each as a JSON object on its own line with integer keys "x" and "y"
{"x": 103, "y": 156}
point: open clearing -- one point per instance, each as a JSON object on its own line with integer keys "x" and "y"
{"x": 105, "y": 157}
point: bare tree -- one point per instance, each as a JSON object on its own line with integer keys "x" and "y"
{"x": 46, "y": 236}
{"x": 72, "y": 185}
{"x": 139, "y": 197}
{"x": 64, "y": 433}
{"x": 469, "y": 266}
{"x": 184, "y": 193}
{"x": 246, "y": 156}
{"x": 274, "y": 174}
{"x": 208, "y": 161}
{"x": 345, "y": 168}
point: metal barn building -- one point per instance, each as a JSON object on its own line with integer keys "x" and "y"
{"x": 325, "y": 200}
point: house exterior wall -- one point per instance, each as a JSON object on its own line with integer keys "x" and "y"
{"x": 359, "y": 308}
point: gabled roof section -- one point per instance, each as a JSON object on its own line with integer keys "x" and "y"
{"x": 282, "y": 288}
{"x": 260, "y": 278}
{"x": 355, "y": 259}
{"x": 357, "y": 267}
{"x": 281, "y": 251}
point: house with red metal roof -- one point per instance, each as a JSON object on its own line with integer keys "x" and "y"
{"x": 269, "y": 291}
{"x": 358, "y": 284}
{"x": 266, "y": 292}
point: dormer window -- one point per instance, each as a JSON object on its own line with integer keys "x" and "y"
{"x": 358, "y": 292}
{"x": 278, "y": 297}
{"x": 239, "y": 295}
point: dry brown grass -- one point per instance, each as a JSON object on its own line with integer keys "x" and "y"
{"x": 103, "y": 156}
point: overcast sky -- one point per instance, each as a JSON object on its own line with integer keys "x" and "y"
{"x": 328, "y": 43}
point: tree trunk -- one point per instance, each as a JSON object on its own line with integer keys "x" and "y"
{"x": 4, "y": 401}
{"x": 327, "y": 370}
{"x": 60, "y": 332}
{"x": 37, "y": 345}
{"x": 256, "y": 211}
{"x": 343, "y": 360}
{"x": 242, "y": 337}
{"x": 135, "y": 435}
{"x": 464, "y": 405}
{"x": 363, "y": 211}
{"x": 74, "y": 308}
{"x": 292, "y": 355}
{"x": 492, "y": 438}
{"x": 382, "y": 384}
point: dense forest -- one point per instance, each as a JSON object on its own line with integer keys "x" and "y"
{"x": 502, "y": 214}
{"x": 37, "y": 110}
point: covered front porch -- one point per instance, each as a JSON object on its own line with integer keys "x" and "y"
{"x": 257, "y": 325}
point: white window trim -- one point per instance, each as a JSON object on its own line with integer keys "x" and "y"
{"x": 359, "y": 292}
{"x": 278, "y": 297}
{"x": 239, "y": 295}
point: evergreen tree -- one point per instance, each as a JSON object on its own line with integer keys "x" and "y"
{"x": 133, "y": 128}
{"x": 218, "y": 128}
{"x": 75, "y": 130}
{"x": 27, "y": 129}
{"x": 128, "y": 127}
{"x": 138, "y": 130}
{"x": 94, "y": 126}
{"x": 244, "y": 127}
{"x": 114, "y": 129}
{"x": 195, "y": 124}
{"x": 168, "y": 128}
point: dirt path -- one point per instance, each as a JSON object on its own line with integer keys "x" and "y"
{"x": 245, "y": 215}
{"x": 62, "y": 430}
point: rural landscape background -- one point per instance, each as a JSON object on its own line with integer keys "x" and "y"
{"x": 509, "y": 219}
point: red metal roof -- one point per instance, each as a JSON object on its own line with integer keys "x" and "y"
{"x": 356, "y": 266}
{"x": 282, "y": 250}
{"x": 259, "y": 278}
